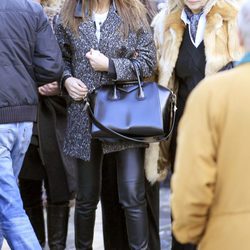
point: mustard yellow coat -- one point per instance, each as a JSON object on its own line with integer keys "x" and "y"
{"x": 211, "y": 183}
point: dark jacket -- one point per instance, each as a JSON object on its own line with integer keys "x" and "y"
{"x": 45, "y": 159}
{"x": 114, "y": 46}
{"x": 29, "y": 54}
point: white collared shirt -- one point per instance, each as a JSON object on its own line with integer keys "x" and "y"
{"x": 99, "y": 19}
{"x": 200, "y": 29}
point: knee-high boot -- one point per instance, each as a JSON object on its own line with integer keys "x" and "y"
{"x": 36, "y": 218}
{"x": 57, "y": 220}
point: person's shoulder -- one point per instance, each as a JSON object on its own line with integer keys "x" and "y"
{"x": 25, "y": 8}
{"x": 165, "y": 13}
{"x": 220, "y": 82}
{"x": 228, "y": 9}
{"x": 159, "y": 18}
{"x": 33, "y": 7}
{"x": 21, "y": 6}
{"x": 226, "y": 76}
{"x": 167, "y": 20}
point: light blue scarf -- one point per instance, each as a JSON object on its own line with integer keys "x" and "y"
{"x": 245, "y": 59}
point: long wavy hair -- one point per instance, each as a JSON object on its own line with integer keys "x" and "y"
{"x": 151, "y": 7}
{"x": 132, "y": 13}
{"x": 48, "y": 2}
{"x": 179, "y": 4}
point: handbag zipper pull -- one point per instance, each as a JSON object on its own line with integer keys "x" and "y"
{"x": 115, "y": 95}
{"x": 141, "y": 92}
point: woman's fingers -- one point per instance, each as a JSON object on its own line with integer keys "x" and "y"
{"x": 98, "y": 60}
{"x": 49, "y": 89}
{"x": 76, "y": 88}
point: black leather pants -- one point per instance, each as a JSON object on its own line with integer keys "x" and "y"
{"x": 131, "y": 190}
{"x": 113, "y": 218}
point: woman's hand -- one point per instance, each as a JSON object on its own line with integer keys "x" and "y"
{"x": 76, "y": 88}
{"x": 49, "y": 89}
{"x": 98, "y": 61}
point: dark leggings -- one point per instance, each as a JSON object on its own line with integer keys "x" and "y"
{"x": 131, "y": 190}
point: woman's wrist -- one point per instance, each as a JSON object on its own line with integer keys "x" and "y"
{"x": 64, "y": 79}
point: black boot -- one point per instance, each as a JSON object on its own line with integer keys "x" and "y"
{"x": 36, "y": 218}
{"x": 57, "y": 218}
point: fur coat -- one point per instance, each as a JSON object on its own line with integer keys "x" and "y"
{"x": 221, "y": 47}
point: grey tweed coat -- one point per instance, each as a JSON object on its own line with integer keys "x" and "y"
{"x": 112, "y": 44}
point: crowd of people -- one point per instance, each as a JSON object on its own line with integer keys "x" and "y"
{"x": 54, "y": 54}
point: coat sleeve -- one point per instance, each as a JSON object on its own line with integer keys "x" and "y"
{"x": 64, "y": 43}
{"x": 146, "y": 56}
{"x": 47, "y": 60}
{"x": 195, "y": 170}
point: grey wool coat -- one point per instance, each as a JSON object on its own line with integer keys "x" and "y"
{"x": 116, "y": 47}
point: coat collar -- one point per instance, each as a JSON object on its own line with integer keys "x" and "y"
{"x": 221, "y": 8}
{"x": 87, "y": 28}
{"x": 220, "y": 12}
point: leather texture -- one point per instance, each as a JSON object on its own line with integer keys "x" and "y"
{"x": 142, "y": 111}
{"x": 36, "y": 218}
{"x": 57, "y": 222}
{"x": 131, "y": 193}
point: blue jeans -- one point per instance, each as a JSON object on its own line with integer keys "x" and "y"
{"x": 15, "y": 226}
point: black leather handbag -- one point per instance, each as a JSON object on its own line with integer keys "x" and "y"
{"x": 132, "y": 111}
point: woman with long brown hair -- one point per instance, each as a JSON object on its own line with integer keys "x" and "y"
{"x": 98, "y": 39}
{"x": 113, "y": 218}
